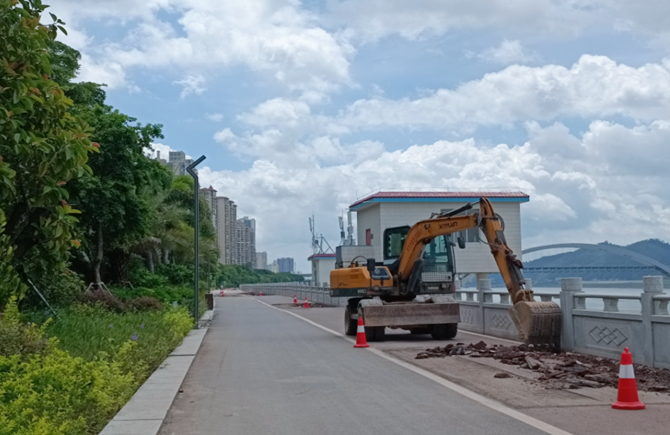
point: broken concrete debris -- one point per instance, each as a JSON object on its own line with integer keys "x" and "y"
{"x": 565, "y": 370}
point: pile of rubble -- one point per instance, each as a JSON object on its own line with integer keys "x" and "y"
{"x": 565, "y": 370}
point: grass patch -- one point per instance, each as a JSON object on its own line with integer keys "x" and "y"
{"x": 85, "y": 331}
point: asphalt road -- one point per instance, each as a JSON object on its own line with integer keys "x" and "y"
{"x": 263, "y": 371}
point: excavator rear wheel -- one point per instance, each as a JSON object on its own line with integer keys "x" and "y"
{"x": 350, "y": 325}
{"x": 444, "y": 331}
{"x": 375, "y": 333}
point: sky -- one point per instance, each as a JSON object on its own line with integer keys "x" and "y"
{"x": 303, "y": 107}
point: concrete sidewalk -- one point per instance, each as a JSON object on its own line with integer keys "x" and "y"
{"x": 584, "y": 411}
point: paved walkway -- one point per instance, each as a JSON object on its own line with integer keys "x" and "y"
{"x": 263, "y": 371}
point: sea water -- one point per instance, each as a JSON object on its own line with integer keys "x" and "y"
{"x": 625, "y": 305}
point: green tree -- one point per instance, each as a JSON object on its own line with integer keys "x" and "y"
{"x": 42, "y": 146}
{"x": 115, "y": 200}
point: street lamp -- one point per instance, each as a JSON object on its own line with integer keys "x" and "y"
{"x": 191, "y": 170}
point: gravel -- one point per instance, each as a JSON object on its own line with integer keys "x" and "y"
{"x": 565, "y": 370}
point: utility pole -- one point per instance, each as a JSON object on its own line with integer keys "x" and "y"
{"x": 196, "y": 183}
{"x": 209, "y": 267}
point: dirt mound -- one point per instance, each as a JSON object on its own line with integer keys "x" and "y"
{"x": 565, "y": 370}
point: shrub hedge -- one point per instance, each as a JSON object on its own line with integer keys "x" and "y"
{"x": 92, "y": 364}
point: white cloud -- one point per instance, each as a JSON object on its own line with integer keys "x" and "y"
{"x": 274, "y": 38}
{"x": 374, "y": 19}
{"x": 216, "y": 117}
{"x": 588, "y": 195}
{"x": 507, "y": 53}
{"x": 595, "y": 86}
{"x": 109, "y": 73}
{"x": 192, "y": 84}
{"x": 159, "y": 149}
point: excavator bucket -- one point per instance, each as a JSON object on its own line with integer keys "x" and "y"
{"x": 539, "y": 323}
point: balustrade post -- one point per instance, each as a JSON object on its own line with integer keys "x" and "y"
{"x": 652, "y": 286}
{"x": 483, "y": 286}
{"x": 569, "y": 288}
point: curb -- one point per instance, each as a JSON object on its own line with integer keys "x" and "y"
{"x": 146, "y": 410}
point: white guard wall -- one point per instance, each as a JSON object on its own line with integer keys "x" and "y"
{"x": 475, "y": 258}
{"x": 321, "y": 267}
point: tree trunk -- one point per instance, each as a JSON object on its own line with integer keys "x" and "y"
{"x": 98, "y": 255}
{"x": 150, "y": 260}
{"x": 166, "y": 256}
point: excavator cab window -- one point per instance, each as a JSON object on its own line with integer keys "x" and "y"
{"x": 394, "y": 241}
{"x": 438, "y": 255}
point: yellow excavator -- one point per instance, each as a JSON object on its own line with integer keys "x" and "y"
{"x": 413, "y": 287}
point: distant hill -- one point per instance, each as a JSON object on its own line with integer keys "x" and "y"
{"x": 653, "y": 248}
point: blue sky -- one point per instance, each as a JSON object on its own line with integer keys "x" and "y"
{"x": 300, "y": 106}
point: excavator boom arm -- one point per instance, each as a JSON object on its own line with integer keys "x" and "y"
{"x": 423, "y": 232}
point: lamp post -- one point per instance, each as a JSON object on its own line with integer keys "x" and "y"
{"x": 191, "y": 170}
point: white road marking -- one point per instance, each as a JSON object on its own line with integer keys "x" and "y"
{"x": 545, "y": 427}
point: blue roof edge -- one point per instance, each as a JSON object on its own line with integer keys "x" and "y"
{"x": 472, "y": 199}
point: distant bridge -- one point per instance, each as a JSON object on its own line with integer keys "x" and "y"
{"x": 623, "y": 252}
{"x": 587, "y": 268}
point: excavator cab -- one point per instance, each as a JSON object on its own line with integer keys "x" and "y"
{"x": 433, "y": 272}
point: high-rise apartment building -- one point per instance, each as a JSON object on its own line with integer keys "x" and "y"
{"x": 210, "y": 197}
{"x": 285, "y": 265}
{"x": 178, "y": 162}
{"x": 262, "y": 260}
{"x": 226, "y": 230}
{"x": 246, "y": 242}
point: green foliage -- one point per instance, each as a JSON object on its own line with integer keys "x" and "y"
{"x": 10, "y": 284}
{"x": 57, "y": 394}
{"x": 85, "y": 331}
{"x": 232, "y": 276}
{"x": 77, "y": 383}
{"x": 17, "y": 338}
{"x": 42, "y": 146}
{"x": 176, "y": 274}
{"x": 115, "y": 200}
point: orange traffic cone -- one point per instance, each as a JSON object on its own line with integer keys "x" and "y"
{"x": 295, "y": 300}
{"x": 306, "y": 303}
{"x": 627, "y": 398}
{"x": 361, "y": 339}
